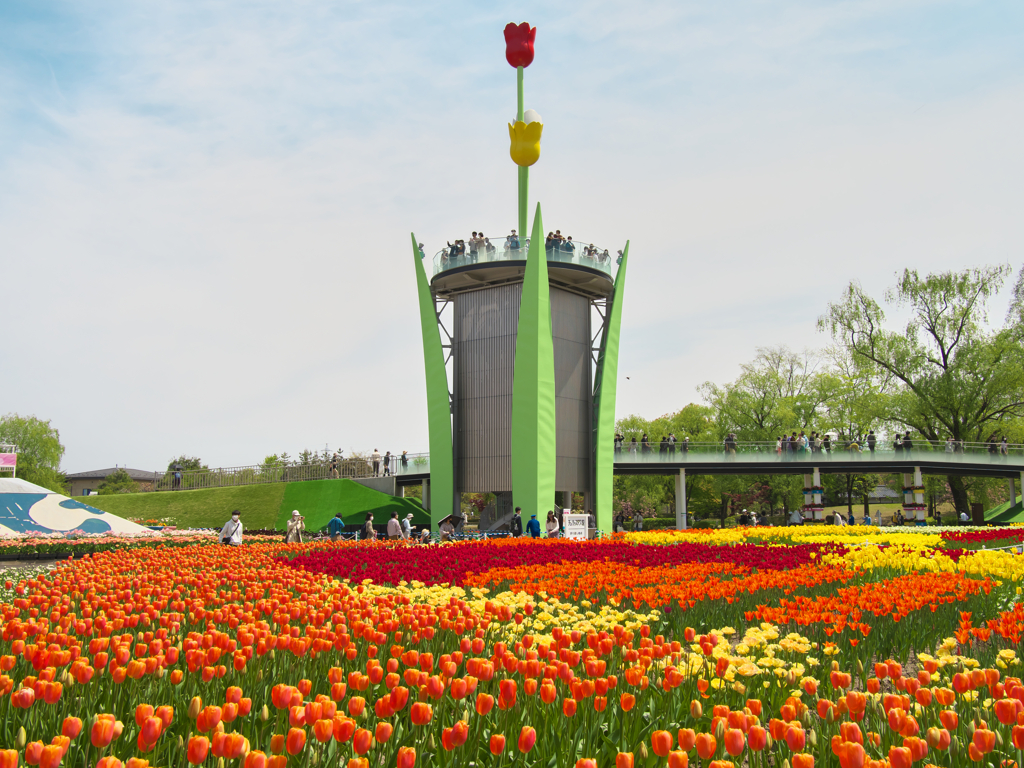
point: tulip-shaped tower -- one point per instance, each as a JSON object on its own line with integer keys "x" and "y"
{"x": 530, "y": 408}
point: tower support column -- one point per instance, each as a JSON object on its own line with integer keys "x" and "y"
{"x": 681, "y": 500}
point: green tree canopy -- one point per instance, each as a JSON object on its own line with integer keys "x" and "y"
{"x": 946, "y": 372}
{"x": 39, "y": 449}
{"x": 118, "y": 481}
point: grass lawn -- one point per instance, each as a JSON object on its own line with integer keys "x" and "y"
{"x": 206, "y": 508}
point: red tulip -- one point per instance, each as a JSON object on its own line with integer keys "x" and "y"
{"x": 519, "y": 40}
{"x": 295, "y": 741}
{"x": 624, "y": 760}
{"x": 497, "y": 744}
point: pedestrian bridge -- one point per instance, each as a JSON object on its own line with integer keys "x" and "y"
{"x": 971, "y": 459}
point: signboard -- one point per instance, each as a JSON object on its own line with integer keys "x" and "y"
{"x": 575, "y": 526}
{"x": 8, "y": 461}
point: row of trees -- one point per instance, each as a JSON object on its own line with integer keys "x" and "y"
{"x": 944, "y": 370}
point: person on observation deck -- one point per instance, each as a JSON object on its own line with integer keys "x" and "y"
{"x": 672, "y": 443}
{"x": 375, "y": 459}
{"x": 632, "y": 448}
{"x": 908, "y": 444}
{"x": 872, "y": 441}
{"x": 645, "y": 444}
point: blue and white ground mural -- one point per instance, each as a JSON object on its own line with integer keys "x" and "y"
{"x": 28, "y": 508}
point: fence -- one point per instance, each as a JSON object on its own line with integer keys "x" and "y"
{"x": 258, "y": 474}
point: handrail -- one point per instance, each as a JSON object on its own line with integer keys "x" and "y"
{"x": 581, "y": 252}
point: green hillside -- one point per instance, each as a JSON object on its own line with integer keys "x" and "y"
{"x": 1011, "y": 511}
{"x": 262, "y": 506}
{"x": 320, "y": 500}
{"x": 206, "y": 508}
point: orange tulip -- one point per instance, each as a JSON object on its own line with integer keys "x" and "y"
{"x": 687, "y": 738}
{"x": 421, "y": 713}
{"x": 627, "y": 701}
{"x": 383, "y": 732}
{"x": 678, "y": 759}
{"x": 497, "y": 744}
{"x": 568, "y": 707}
{"x": 323, "y": 730}
{"x": 624, "y": 760}
{"x": 984, "y": 740}
{"x": 527, "y": 738}
{"x": 802, "y": 760}
{"x": 757, "y": 738}
{"x": 661, "y": 743}
{"x": 900, "y": 757}
{"x": 406, "y": 757}
{"x": 102, "y": 732}
{"x": 71, "y": 727}
{"x": 109, "y": 761}
{"x": 295, "y": 741}
{"x": 733, "y": 741}
{"x": 362, "y": 740}
{"x": 795, "y": 738}
{"x": 1005, "y": 710}
{"x": 33, "y": 752}
{"x": 8, "y": 758}
{"x": 586, "y": 762}
{"x": 706, "y": 745}
{"x": 949, "y": 719}
{"x": 484, "y": 704}
{"x": 198, "y": 749}
{"x": 50, "y": 756}
{"x": 255, "y": 759}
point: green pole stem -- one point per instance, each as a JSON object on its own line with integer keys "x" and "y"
{"x": 524, "y": 173}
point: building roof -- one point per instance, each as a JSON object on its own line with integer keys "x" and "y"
{"x": 101, "y": 474}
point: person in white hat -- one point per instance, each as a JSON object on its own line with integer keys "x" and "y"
{"x": 407, "y": 527}
{"x": 293, "y": 532}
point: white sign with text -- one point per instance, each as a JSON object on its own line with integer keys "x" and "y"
{"x": 575, "y": 526}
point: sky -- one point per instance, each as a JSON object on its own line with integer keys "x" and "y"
{"x": 205, "y": 208}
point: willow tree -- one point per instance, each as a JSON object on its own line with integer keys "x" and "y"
{"x": 948, "y": 371}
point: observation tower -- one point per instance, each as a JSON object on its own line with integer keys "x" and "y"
{"x": 521, "y": 378}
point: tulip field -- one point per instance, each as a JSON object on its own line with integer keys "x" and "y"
{"x": 756, "y": 647}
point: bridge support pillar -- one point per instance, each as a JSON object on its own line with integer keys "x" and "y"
{"x": 1013, "y": 490}
{"x": 426, "y": 494}
{"x": 681, "y": 500}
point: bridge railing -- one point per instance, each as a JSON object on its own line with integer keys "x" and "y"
{"x": 260, "y": 474}
{"x": 693, "y": 452}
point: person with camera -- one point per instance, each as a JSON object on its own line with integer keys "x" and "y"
{"x": 231, "y": 533}
{"x": 294, "y": 529}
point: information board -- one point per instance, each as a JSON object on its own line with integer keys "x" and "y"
{"x": 575, "y": 526}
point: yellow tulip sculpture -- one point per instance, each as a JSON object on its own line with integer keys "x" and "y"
{"x": 525, "y": 137}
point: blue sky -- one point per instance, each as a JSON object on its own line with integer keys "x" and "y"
{"x": 205, "y": 208}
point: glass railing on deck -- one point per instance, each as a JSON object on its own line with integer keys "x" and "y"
{"x": 580, "y": 253}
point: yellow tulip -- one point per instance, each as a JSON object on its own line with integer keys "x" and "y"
{"x": 525, "y": 148}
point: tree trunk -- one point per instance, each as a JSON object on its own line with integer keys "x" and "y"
{"x": 960, "y": 500}
{"x": 867, "y": 506}
{"x": 849, "y": 496}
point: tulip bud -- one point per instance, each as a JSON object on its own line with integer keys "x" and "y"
{"x": 720, "y": 730}
{"x": 220, "y": 762}
{"x": 860, "y": 667}
{"x": 812, "y": 737}
{"x": 785, "y": 763}
{"x": 21, "y": 739}
{"x": 835, "y": 665}
{"x": 264, "y": 713}
{"x": 830, "y": 716}
{"x": 181, "y": 742}
{"x": 696, "y": 710}
{"x": 999, "y": 738}
{"x": 769, "y": 742}
{"x": 195, "y": 707}
{"x": 160, "y": 672}
{"x": 644, "y": 753}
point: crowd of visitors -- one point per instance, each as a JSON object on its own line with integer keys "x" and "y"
{"x": 479, "y": 248}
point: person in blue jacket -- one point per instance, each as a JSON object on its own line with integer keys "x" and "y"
{"x": 335, "y": 527}
{"x": 533, "y": 527}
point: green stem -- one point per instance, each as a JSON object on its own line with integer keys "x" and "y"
{"x": 524, "y": 173}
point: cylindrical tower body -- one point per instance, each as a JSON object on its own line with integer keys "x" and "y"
{"x": 485, "y": 300}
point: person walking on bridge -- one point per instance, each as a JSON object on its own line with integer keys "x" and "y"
{"x": 872, "y": 440}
